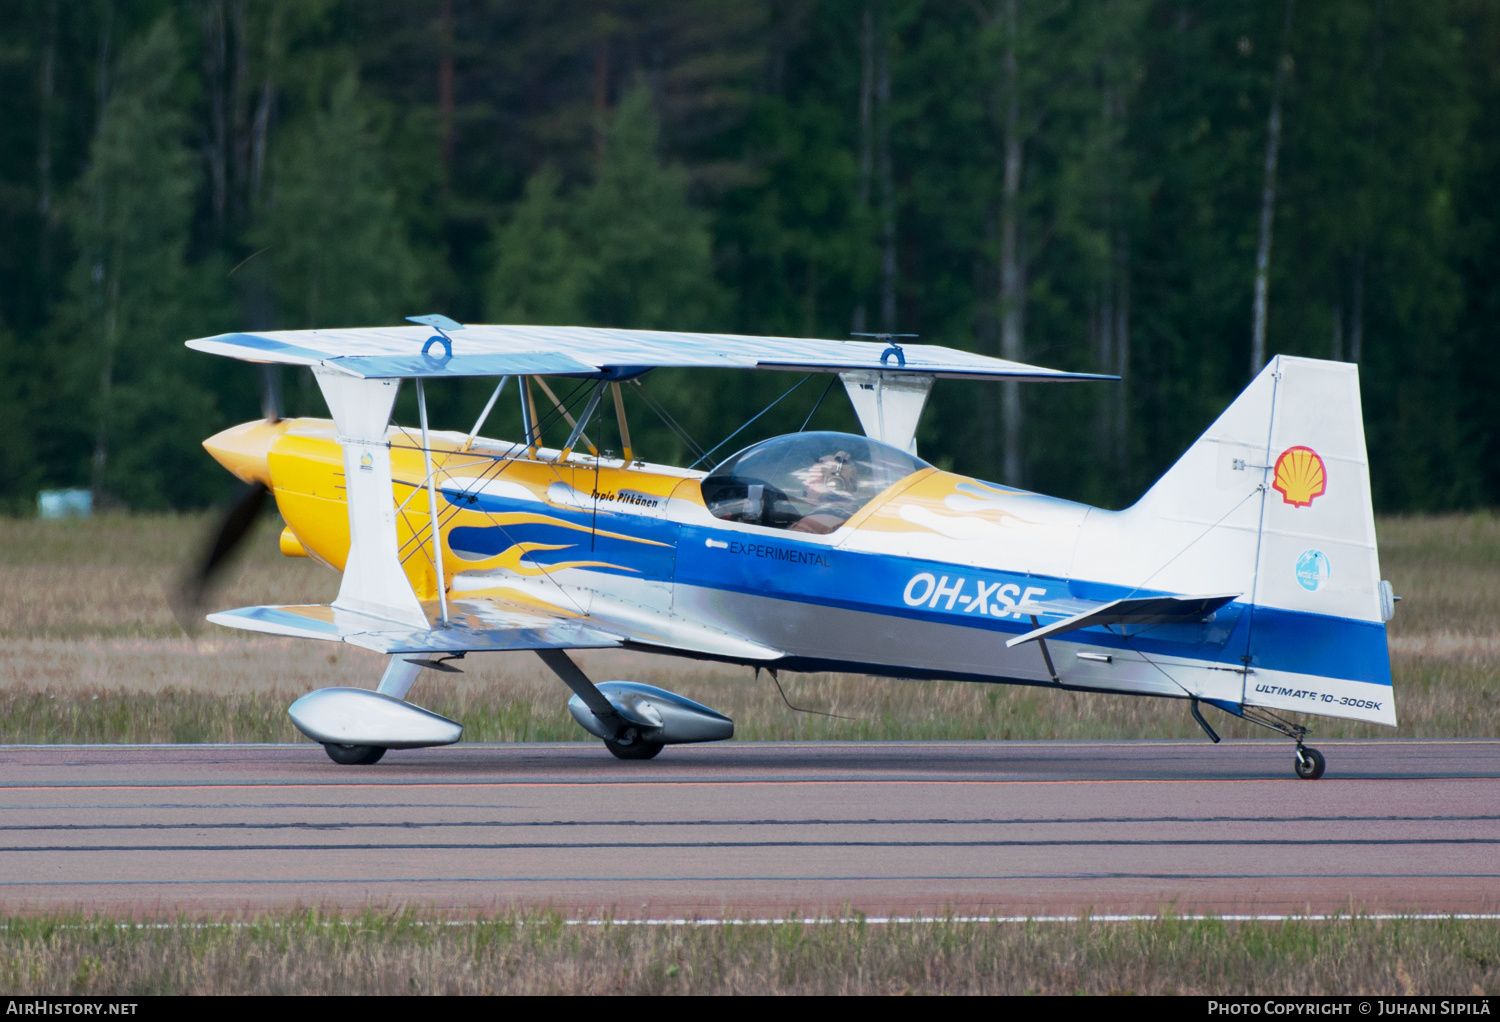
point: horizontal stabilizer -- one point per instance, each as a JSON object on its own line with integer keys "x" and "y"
{"x": 1142, "y": 610}
{"x": 517, "y": 630}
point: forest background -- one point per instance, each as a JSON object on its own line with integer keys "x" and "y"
{"x": 1167, "y": 191}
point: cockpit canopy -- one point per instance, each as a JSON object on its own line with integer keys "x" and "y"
{"x": 804, "y": 482}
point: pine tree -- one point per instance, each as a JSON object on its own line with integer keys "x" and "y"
{"x": 648, "y": 253}
{"x": 133, "y": 297}
{"x": 538, "y": 274}
{"x": 338, "y": 251}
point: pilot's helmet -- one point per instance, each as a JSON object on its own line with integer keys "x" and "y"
{"x": 838, "y": 473}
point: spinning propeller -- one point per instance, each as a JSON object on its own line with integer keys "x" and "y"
{"x": 189, "y": 594}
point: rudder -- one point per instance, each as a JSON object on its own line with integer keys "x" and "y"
{"x": 1273, "y": 502}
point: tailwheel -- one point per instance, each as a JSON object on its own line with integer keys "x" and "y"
{"x": 354, "y": 755}
{"x": 630, "y": 745}
{"x": 1309, "y": 763}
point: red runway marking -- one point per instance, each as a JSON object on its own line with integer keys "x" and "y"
{"x": 376, "y": 786}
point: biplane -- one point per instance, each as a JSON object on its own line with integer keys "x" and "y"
{"x": 1246, "y": 578}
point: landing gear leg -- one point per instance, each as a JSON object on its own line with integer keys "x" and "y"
{"x": 627, "y": 742}
{"x": 1307, "y": 762}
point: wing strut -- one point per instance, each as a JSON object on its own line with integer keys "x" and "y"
{"x": 374, "y": 582}
{"x": 528, "y": 419}
{"x": 583, "y": 420}
{"x": 577, "y": 426}
{"x": 625, "y": 449}
{"x": 488, "y": 406}
{"x": 432, "y": 510}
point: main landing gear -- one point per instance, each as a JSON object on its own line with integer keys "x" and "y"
{"x": 630, "y": 745}
{"x": 354, "y": 755}
{"x": 1307, "y": 761}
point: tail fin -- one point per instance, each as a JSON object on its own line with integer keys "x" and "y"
{"x": 1273, "y": 502}
{"x": 1285, "y": 467}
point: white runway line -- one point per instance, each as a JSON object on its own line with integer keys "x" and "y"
{"x": 1336, "y": 917}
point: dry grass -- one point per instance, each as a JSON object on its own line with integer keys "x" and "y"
{"x": 91, "y": 653}
{"x": 402, "y": 953}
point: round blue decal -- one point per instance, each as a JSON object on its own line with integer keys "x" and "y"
{"x": 1312, "y": 570}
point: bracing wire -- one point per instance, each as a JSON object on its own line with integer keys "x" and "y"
{"x": 1205, "y": 532}
{"x": 802, "y": 709}
{"x": 498, "y": 465}
{"x": 671, "y": 423}
{"x": 758, "y": 414}
{"x": 819, "y": 404}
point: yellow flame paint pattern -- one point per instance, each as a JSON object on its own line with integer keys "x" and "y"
{"x": 514, "y": 559}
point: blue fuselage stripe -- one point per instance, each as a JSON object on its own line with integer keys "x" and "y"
{"x": 777, "y": 565}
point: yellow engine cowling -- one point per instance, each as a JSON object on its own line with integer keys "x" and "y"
{"x": 302, "y": 463}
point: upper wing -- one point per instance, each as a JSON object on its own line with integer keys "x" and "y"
{"x": 397, "y": 352}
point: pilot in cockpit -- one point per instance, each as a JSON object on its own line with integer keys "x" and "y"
{"x": 834, "y": 475}
{"x": 831, "y": 485}
{"x": 804, "y": 482}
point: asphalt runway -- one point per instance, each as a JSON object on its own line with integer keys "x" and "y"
{"x": 757, "y": 829}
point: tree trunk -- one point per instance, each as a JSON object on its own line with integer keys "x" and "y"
{"x": 215, "y": 74}
{"x": 260, "y": 138}
{"x": 601, "y": 79}
{"x": 887, "y": 185}
{"x": 240, "y": 116}
{"x": 257, "y": 137}
{"x": 810, "y": 299}
{"x": 1012, "y": 267}
{"x": 445, "y": 80}
{"x": 108, "y": 287}
{"x": 1357, "y": 320}
{"x": 987, "y": 330}
{"x": 44, "y": 147}
{"x": 866, "y": 131}
{"x": 1122, "y": 351}
{"x": 1102, "y": 322}
{"x": 1268, "y": 201}
{"x": 106, "y": 376}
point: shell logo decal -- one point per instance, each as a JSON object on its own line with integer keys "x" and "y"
{"x": 1299, "y": 477}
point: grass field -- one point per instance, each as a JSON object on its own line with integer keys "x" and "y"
{"x": 405, "y": 953}
{"x": 89, "y": 652}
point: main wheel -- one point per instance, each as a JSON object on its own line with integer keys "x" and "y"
{"x": 354, "y": 755}
{"x": 635, "y": 748}
{"x": 1308, "y": 763}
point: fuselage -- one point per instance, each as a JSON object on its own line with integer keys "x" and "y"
{"x": 926, "y": 579}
